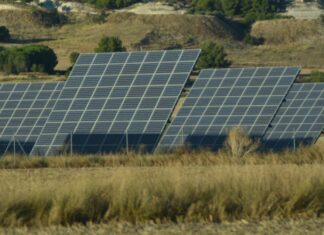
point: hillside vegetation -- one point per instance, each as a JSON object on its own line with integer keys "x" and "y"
{"x": 175, "y": 31}
{"x": 281, "y": 37}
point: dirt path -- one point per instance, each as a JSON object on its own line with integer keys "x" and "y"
{"x": 152, "y": 8}
{"x": 9, "y": 7}
{"x": 301, "y": 227}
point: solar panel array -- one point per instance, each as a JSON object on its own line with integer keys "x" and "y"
{"x": 24, "y": 108}
{"x": 112, "y": 101}
{"x": 300, "y": 119}
{"x": 224, "y": 98}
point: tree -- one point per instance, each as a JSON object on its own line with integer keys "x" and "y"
{"x": 213, "y": 56}
{"x": 4, "y": 34}
{"x": 230, "y": 7}
{"x": 110, "y": 44}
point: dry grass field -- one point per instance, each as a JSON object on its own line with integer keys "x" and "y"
{"x": 280, "y": 227}
{"x": 43, "y": 197}
{"x": 184, "y": 192}
{"x": 201, "y": 158}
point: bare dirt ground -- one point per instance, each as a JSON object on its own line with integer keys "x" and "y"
{"x": 8, "y": 7}
{"x": 308, "y": 10}
{"x": 298, "y": 227}
{"x": 152, "y": 8}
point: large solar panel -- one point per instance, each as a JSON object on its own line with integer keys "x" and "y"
{"x": 300, "y": 119}
{"x": 24, "y": 108}
{"x": 224, "y": 98}
{"x": 114, "y": 101}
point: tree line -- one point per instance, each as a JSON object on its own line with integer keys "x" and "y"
{"x": 32, "y": 58}
{"x": 112, "y": 4}
{"x": 251, "y": 10}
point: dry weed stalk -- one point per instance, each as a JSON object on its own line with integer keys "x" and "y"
{"x": 239, "y": 144}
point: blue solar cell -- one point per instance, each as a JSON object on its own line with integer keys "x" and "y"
{"x": 79, "y": 70}
{"x": 154, "y": 56}
{"x": 102, "y": 58}
{"x": 136, "y": 57}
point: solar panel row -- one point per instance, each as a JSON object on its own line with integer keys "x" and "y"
{"x": 300, "y": 119}
{"x": 24, "y": 108}
{"x": 224, "y": 98}
{"x": 114, "y": 101}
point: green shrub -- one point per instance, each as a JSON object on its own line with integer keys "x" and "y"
{"x": 316, "y": 76}
{"x": 4, "y": 34}
{"x": 250, "y": 40}
{"x": 36, "y": 58}
{"x": 110, "y": 44}
{"x": 101, "y": 18}
{"x": 212, "y": 56}
{"x": 49, "y": 18}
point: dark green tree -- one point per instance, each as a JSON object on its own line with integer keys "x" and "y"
{"x": 36, "y": 58}
{"x": 110, "y": 44}
{"x": 4, "y": 34}
{"x": 231, "y": 7}
{"x": 212, "y": 56}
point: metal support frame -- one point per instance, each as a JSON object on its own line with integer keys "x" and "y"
{"x": 294, "y": 140}
{"x": 14, "y": 141}
{"x": 126, "y": 135}
{"x": 71, "y": 144}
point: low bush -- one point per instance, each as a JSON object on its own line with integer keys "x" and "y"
{"x": 110, "y": 44}
{"x": 212, "y": 56}
{"x": 49, "y": 18}
{"x": 316, "y": 76}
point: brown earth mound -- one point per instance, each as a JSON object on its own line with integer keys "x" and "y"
{"x": 203, "y": 26}
{"x": 138, "y": 32}
{"x": 23, "y": 24}
{"x": 285, "y": 31}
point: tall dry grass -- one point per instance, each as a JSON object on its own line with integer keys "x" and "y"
{"x": 182, "y": 157}
{"x": 46, "y": 197}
